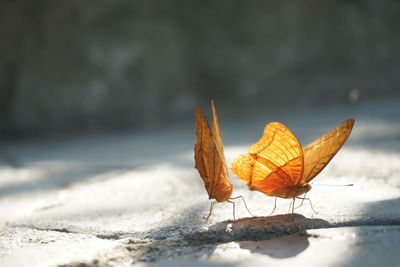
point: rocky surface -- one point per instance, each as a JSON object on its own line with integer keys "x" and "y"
{"x": 135, "y": 198}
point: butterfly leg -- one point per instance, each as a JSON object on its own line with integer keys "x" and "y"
{"x": 234, "y": 208}
{"x": 274, "y": 207}
{"x": 309, "y": 200}
{"x": 302, "y": 200}
{"x": 294, "y": 200}
{"x": 291, "y": 206}
{"x": 245, "y": 204}
{"x": 209, "y": 214}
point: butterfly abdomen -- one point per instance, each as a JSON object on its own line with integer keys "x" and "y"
{"x": 222, "y": 192}
{"x": 291, "y": 191}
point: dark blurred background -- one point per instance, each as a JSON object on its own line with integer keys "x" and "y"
{"x": 73, "y": 66}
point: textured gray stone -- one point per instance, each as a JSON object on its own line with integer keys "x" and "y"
{"x": 136, "y": 198}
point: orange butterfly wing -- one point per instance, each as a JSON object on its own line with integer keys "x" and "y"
{"x": 318, "y": 153}
{"x": 273, "y": 163}
{"x": 209, "y": 157}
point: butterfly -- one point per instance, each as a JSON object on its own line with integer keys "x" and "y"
{"x": 278, "y": 166}
{"x": 210, "y": 160}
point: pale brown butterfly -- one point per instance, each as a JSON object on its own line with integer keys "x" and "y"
{"x": 210, "y": 161}
{"x": 278, "y": 166}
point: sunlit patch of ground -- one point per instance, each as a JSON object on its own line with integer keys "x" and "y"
{"x": 128, "y": 198}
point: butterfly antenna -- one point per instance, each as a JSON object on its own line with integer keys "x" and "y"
{"x": 245, "y": 204}
{"x": 209, "y": 214}
{"x": 274, "y": 207}
{"x": 334, "y": 184}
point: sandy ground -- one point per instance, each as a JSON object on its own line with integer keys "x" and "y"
{"x": 123, "y": 199}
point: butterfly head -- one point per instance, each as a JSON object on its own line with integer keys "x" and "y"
{"x": 304, "y": 188}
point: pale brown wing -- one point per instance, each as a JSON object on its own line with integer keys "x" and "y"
{"x": 274, "y": 162}
{"x": 222, "y": 188}
{"x": 318, "y": 154}
{"x": 210, "y": 159}
{"x": 203, "y": 149}
{"x": 216, "y": 135}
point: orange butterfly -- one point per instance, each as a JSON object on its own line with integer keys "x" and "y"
{"x": 210, "y": 160}
{"x": 277, "y": 165}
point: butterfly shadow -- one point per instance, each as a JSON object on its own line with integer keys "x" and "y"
{"x": 279, "y": 236}
{"x": 281, "y": 247}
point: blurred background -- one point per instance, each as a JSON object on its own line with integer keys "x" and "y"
{"x": 79, "y": 66}
{"x": 97, "y": 103}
